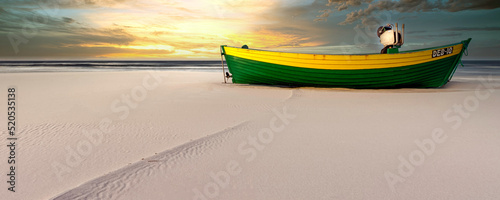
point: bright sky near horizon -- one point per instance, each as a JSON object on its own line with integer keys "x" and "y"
{"x": 194, "y": 29}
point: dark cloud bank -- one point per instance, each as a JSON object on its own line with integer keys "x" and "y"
{"x": 403, "y": 6}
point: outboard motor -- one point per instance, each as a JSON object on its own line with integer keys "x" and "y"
{"x": 383, "y": 29}
{"x": 389, "y": 38}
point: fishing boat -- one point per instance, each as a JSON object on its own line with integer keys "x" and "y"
{"x": 423, "y": 68}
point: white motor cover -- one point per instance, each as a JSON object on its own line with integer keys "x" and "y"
{"x": 387, "y": 38}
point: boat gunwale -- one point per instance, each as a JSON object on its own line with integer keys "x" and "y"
{"x": 414, "y": 58}
{"x": 402, "y": 52}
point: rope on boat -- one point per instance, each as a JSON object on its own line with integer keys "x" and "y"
{"x": 465, "y": 44}
{"x": 465, "y": 52}
{"x": 222, "y": 61}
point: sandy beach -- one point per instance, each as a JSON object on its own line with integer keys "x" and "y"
{"x": 187, "y": 135}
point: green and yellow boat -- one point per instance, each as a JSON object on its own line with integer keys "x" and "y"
{"x": 423, "y": 68}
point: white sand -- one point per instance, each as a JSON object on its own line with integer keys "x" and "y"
{"x": 314, "y": 143}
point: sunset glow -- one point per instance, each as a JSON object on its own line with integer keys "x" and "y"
{"x": 194, "y": 29}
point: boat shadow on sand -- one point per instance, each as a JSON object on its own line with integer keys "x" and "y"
{"x": 462, "y": 85}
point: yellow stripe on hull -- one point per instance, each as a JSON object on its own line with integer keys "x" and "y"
{"x": 341, "y": 62}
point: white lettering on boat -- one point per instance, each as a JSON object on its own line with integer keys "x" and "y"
{"x": 442, "y": 52}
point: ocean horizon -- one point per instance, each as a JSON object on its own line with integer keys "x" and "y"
{"x": 107, "y": 65}
{"x": 470, "y": 67}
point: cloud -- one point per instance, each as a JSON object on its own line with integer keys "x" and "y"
{"x": 320, "y": 19}
{"x": 442, "y": 35}
{"x": 268, "y": 39}
{"x": 324, "y": 15}
{"x": 459, "y": 5}
{"x": 68, "y": 20}
{"x": 285, "y": 26}
{"x": 126, "y": 27}
{"x": 62, "y": 4}
{"x": 180, "y": 29}
{"x": 100, "y": 36}
{"x": 344, "y": 4}
{"x": 59, "y": 36}
{"x": 406, "y": 6}
{"x": 82, "y": 4}
{"x": 497, "y": 28}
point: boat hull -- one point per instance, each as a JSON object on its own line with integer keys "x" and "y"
{"x": 416, "y": 69}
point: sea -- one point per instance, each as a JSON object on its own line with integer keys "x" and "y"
{"x": 88, "y": 66}
{"x": 470, "y": 67}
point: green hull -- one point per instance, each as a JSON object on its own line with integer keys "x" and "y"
{"x": 425, "y": 75}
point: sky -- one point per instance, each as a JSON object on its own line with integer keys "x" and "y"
{"x": 195, "y": 29}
